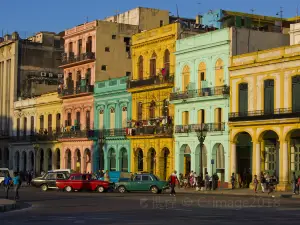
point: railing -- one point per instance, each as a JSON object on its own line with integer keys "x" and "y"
{"x": 152, "y": 130}
{"x": 203, "y": 92}
{"x": 35, "y": 137}
{"x": 280, "y": 113}
{"x": 114, "y": 132}
{"x": 78, "y": 134}
{"x": 78, "y": 58}
{"x": 77, "y": 91}
{"x": 209, "y": 127}
{"x": 155, "y": 80}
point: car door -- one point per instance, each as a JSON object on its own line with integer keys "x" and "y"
{"x": 135, "y": 184}
{"x": 51, "y": 180}
{"x": 146, "y": 183}
{"x": 77, "y": 183}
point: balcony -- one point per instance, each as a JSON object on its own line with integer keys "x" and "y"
{"x": 203, "y": 92}
{"x": 35, "y": 137}
{"x": 73, "y": 60}
{"x": 114, "y": 132}
{"x": 210, "y": 127}
{"x": 79, "y": 91}
{"x": 281, "y": 113}
{"x": 155, "y": 80}
{"x": 164, "y": 131}
{"x": 77, "y": 134}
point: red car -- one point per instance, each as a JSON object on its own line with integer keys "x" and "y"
{"x": 78, "y": 181}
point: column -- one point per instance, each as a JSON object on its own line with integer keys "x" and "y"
{"x": 83, "y": 165}
{"x": 73, "y": 162}
{"x": 285, "y": 164}
{"x": 257, "y": 159}
{"x": 233, "y": 158}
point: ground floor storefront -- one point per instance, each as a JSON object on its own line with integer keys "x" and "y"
{"x": 272, "y": 147}
{"x": 214, "y": 154}
{"x": 154, "y": 155}
{"x": 113, "y": 155}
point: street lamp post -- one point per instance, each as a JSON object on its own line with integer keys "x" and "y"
{"x": 201, "y": 134}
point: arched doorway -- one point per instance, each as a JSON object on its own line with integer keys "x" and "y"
{"x": 68, "y": 159}
{"x": 101, "y": 158}
{"x": 165, "y": 163}
{"x": 41, "y": 160}
{"x": 244, "y": 157}
{"x": 124, "y": 160}
{"x": 49, "y": 158}
{"x": 87, "y": 161}
{"x": 31, "y": 160}
{"x": 24, "y": 161}
{"x": 294, "y": 138}
{"x": 151, "y": 161}
{"x": 17, "y": 161}
{"x": 112, "y": 159}
{"x": 57, "y": 159}
{"x": 186, "y": 159}
{"x": 139, "y": 159}
{"x": 218, "y": 155}
{"x": 270, "y": 152}
{"x": 77, "y": 161}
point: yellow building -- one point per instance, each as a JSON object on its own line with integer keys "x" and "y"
{"x": 152, "y": 117}
{"x": 264, "y": 119}
{"x": 37, "y": 124}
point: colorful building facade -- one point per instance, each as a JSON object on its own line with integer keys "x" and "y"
{"x": 112, "y": 112}
{"x": 37, "y": 126}
{"x": 264, "y": 119}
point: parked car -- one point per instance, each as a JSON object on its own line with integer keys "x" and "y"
{"x": 142, "y": 182}
{"x": 3, "y": 172}
{"x": 79, "y": 182}
{"x": 48, "y": 180}
{"x": 117, "y": 176}
{"x": 62, "y": 170}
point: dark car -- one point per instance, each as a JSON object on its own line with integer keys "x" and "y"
{"x": 48, "y": 180}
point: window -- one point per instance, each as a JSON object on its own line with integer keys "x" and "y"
{"x": 185, "y": 78}
{"x": 185, "y": 118}
{"x": 32, "y": 125}
{"x": 128, "y": 74}
{"x": 42, "y": 123}
{"x": 201, "y": 116}
{"x": 18, "y": 127}
{"x": 218, "y": 119}
{"x": 269, "y": 96}
{"x": 153, "y": 65}
{"x": 166, "y": 62}
{"x": 152, "y": 109}
{"x": 70, "y": 48}
{"x": 58, "y": 122}
{"x": 103, "y": 67}
{"x": 77, "y": 177}
{"x": 25, "y": 126}
{"x": 124, "y": 117}
{"x": 107, "y": 49}
{"x": 77, "y": 121}
{"x": 51, "y": 176}
{"x": 88, "y": 120}
{"x": 161, "y": 23}
{"x": 165, "y": 108}
{"x": 138, "y": 178}
{"x": 114, "y": 36}
{"x": 146, "y": 178}
{"x": 112, "y": 118}
{"x": 243, "y": 99}
{"x": 202, "y": 76}
{"x": 139, "y": 111}
{"x": 79, "y": 47}
{"x": 50, "y": 123}
{"x": 219, "y": 73}
{"x": 69, "y": 120}
{"x": 89, "y": 44}
{"x": 296, "y": 93}
{"x": 270, "y": 158}
{"x": 141, "y": 67}
{"x": 295, "y": 158}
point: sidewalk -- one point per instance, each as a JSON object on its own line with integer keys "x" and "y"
{"x": 7, "y": 205}
{"x": 239, "y": 192}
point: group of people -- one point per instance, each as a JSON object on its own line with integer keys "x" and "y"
{"x": 12, "y": 183}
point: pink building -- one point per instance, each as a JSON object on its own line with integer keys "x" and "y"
{"x": 94, "y": 51}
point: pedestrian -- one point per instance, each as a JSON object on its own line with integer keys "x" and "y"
{"x": 172, "y": 180}
{"x": 7, "y": 183}
{"x": 294, "y": 183}
{"x": 232, "y": 181}
{"x": 255, "y": 182}
{"x": 207, "y": 178}
{"x": 298, "y": 184}
{"x": 262, "y": 182}
{"x": 17, "y": 184}
{"x": 106, "y": 176}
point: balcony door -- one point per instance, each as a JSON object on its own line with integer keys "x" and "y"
{"x": 296, "y": 93}
{"x": 243, "y": 99}
{"x": 269, "y": 96}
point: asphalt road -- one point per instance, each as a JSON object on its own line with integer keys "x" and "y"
{"x": 62, "y": 208}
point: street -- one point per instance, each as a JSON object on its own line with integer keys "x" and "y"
{"x": 58, "y": 208}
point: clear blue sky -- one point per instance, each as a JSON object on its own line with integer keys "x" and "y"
{"x": 57, "y": 15}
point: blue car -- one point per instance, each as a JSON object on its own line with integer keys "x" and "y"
{"x": 117, "y": 176}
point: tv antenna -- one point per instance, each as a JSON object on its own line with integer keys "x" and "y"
{"x": 177, "y": 11}
{"x": 281, "y": 15}
{"x": 252, "y": 11}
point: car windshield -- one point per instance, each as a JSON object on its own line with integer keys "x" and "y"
{"x": 155, "y": 177}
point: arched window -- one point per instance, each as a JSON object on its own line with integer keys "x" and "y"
{"x": 243, "y": 99}
{"x": 167, "y": 62}
{"x": 78, "y": 79}
{"x": 201, "y": 116}
{"x": 218, "y": 119}
{"x": 89, "y": 44}
{"x": 42, "y": 123}
{"x": 32, "y": 125}
{"x": 140, "y": 160}
{"x": 201, "y": 75}
{"x": 185, "y": 78}
{"x": 139, "y": 111}
{"x": 141, "y": 67}
{"x": 269, "y": 96}
{"x": 88, "y": 120}
{"x": 153, "y": 65}
{"x": 57, "y": 122}
{"x": 112, "y": 160}
{"x": 25, "y": 126}
{"x": 219, "y": 76}
{"x": 152, "y": 109}
{"x": 70, "y": 48}
{"x": 124, "y": 160}
{"x": 296, "y": 93}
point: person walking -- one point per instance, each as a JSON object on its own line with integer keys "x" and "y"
{"x": 206, "y": 180}
{"x": 255, "y": 182}
{"x": 294, "y": 183}
{"x": 263, "y": 182}
{"x": 232, "y": 181}
{"x": 173, "y": 179}
{"x": 17, "y": 185}
{"x": 106, "y": 176}
{"x": 7, "y": 183}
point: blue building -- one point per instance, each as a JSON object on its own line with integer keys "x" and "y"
{"x": 112, "y": 111}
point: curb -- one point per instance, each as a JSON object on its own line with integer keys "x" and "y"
{"x": 8, "y": 207}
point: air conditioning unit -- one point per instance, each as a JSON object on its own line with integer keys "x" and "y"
{"x": 50, "y": 74}
{"x": 43, "y": 74}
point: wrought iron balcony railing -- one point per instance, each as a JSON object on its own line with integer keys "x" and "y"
{"x": 151, "y": 130}
{"x": 78, "y": 134}
{"x": 77, "y": 91}
{"x": 280, "y": 113}
{"x": 114, "y": 132}
{"x": 78, "y": 58}
{"x": 35, "y": 137}
{"x": 154, "y": 80}
{"x": 210, "y": 127}
{"x": 203, "y": 92}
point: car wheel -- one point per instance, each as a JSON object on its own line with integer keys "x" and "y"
{"x": 44, "y": 187}
{"x": 121, "y": 189}
{"x": 154, "y": 189}
{"x": 100, "y": 189}
{"x": 68, "y": 189}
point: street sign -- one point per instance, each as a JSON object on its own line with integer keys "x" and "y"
{"x": 212, "y": 162}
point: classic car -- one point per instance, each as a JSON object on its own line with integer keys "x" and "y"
{"x": 78, "y": 181}
{"x": 117, "y": 176}
{"x": 48, "y": 180}
{"x": 142, "y": 182}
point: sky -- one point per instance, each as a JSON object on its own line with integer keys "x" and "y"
{"x": 30, "y": 16}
